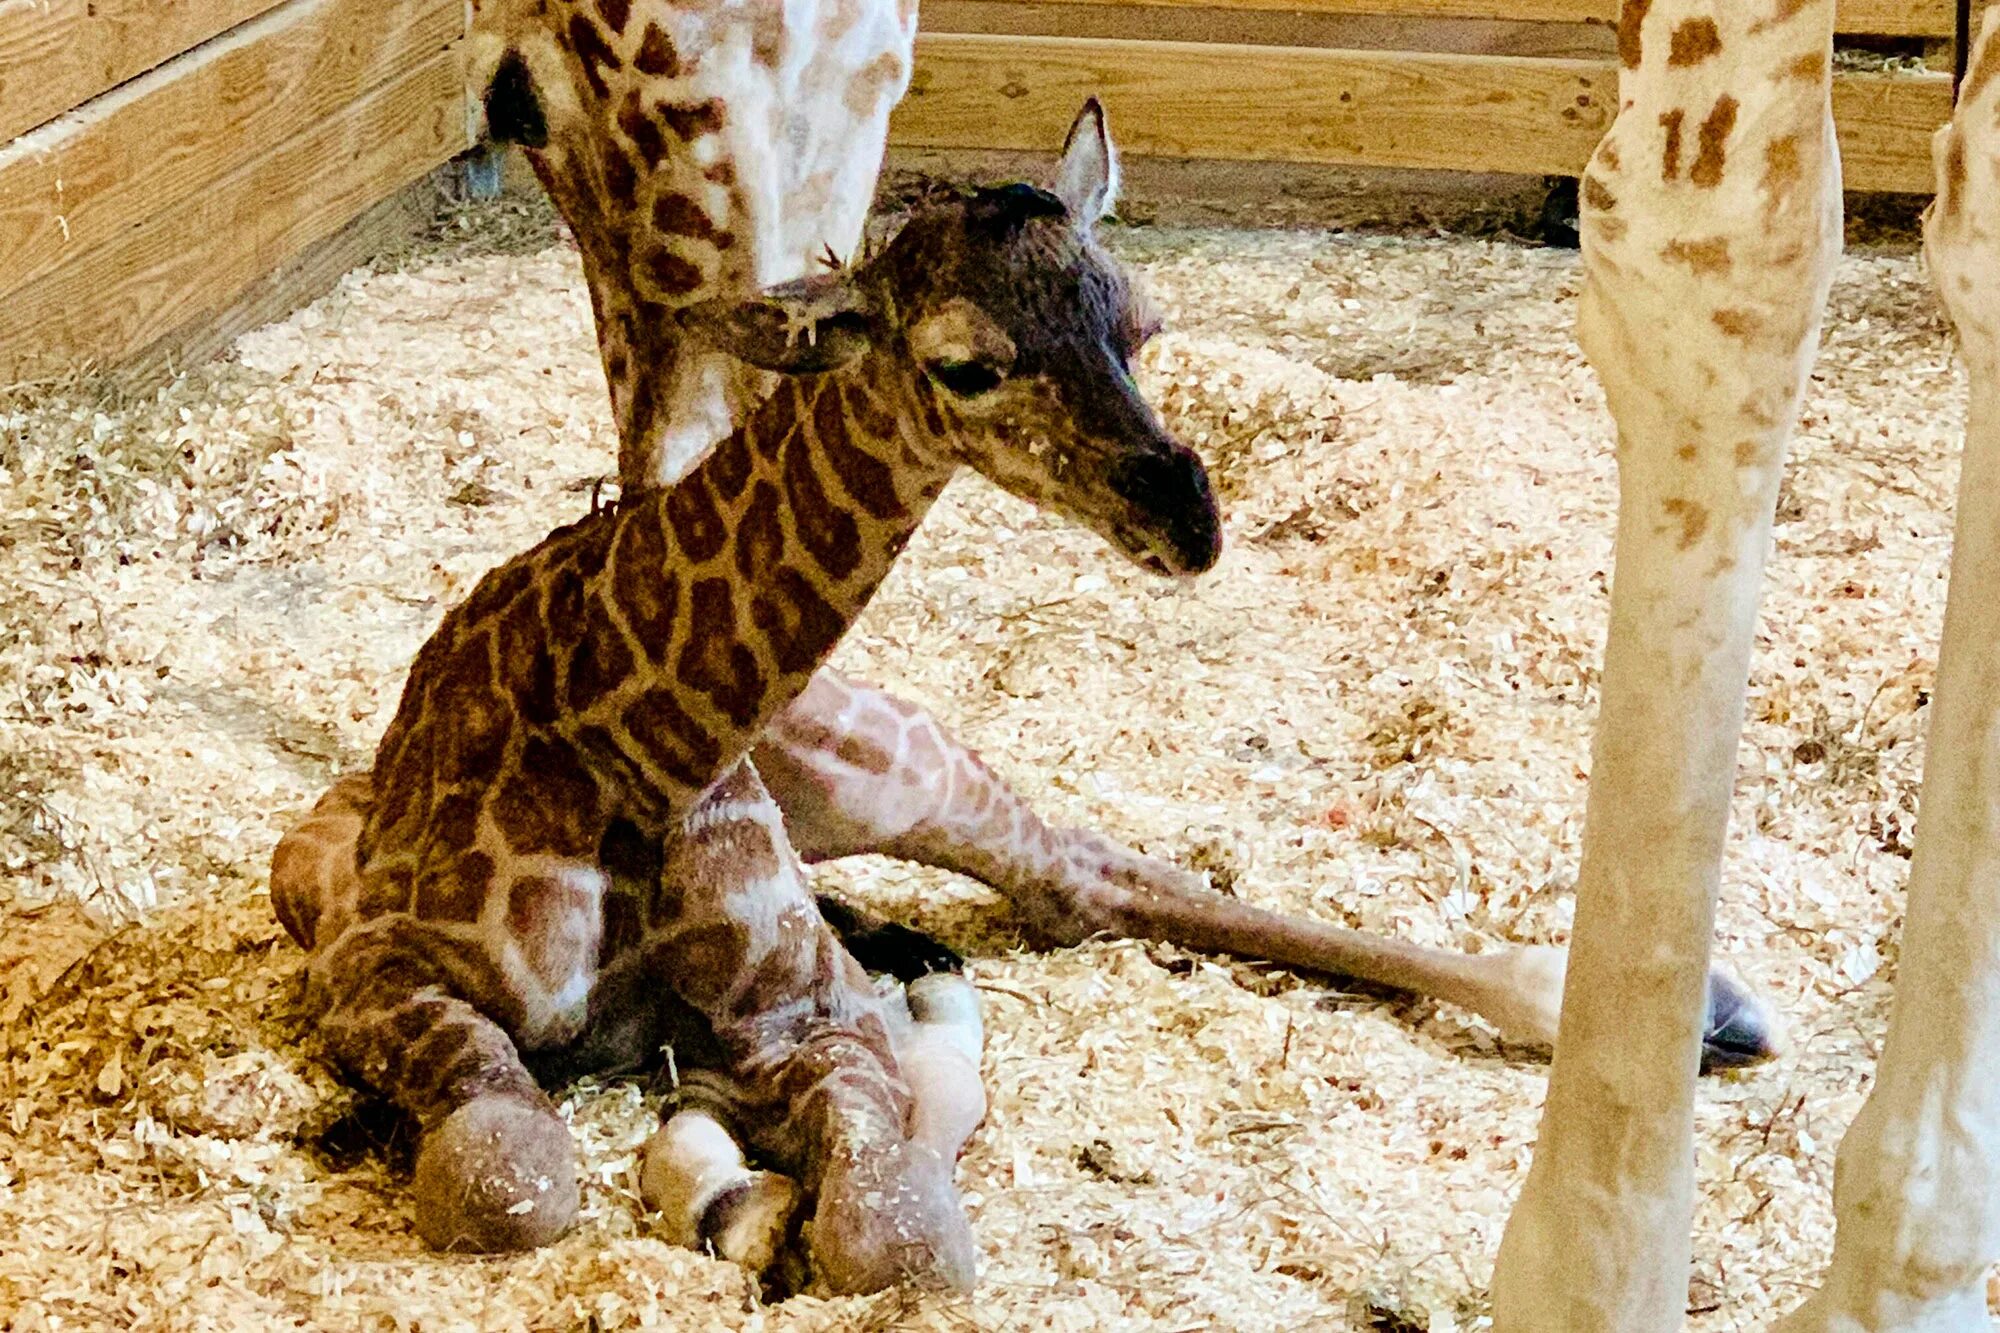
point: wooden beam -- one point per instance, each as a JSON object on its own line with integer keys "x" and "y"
{"x": 195, "y": 259}
{"x": 1263, "y": 103}
{"x": 83, "y": 178}
{"x": 1887, "y": 18}
{"x": 58, "y": 54}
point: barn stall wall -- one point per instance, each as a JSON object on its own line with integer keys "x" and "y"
{"x": 172, "y": 171}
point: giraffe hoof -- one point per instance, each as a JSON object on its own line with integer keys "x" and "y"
{"x": 892, "y": 1218}
{"x": 1741, "y": 1029}
{"x": 750, "y": 1223}
{"x": 497, "y": 1174}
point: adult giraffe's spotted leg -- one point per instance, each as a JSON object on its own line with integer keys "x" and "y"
{"x": 1710, "y": 228}
{"x": 1917, "y": 1188}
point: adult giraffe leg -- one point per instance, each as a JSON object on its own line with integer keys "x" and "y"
{"x": 1711, "y": 225}
{"x": 1917, "y": 1188}
{"x": 858, "y": 770}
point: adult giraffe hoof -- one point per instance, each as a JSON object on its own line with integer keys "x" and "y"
{"x": 892, "y": 1217}
{"x": 1741, "y": 1029}
{"x": 499, "y": 1173}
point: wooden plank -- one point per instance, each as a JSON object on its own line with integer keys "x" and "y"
{"x": 1262, "y": 103}
{"x": 58, "y": 54}
{"x": 384, "y": 227}
{"x": 1889, "y": 18}
{"x": 194, "y": 260}
{"x": 137, "y": 151}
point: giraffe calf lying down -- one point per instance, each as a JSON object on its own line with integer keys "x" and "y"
{"x": 566, "y": 849}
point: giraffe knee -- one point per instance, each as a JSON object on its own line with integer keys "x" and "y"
{"x": 497, "y": 1174}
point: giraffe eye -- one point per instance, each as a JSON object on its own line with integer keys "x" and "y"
{"x": 966, "y": 379}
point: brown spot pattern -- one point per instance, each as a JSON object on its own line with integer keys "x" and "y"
{"x": 1630, "y": 18}
{"x": 706, "y": 962}
{"x": 1737, "y": 322}
{"x": 713, "y": 660}
{"x": 796, "y": 621}
{"x": 640, "y": 129}
{"x": 600, "y": 661}
{"x": 621, "y": 178}
{"x": 868, "y": 758}
{"x": 1807, "y": 68}
{"x": 828, "y": 533}
{"x": 1783, "y": 170}
{"x": 689, "y": 121}
{"x": 866, "y": 478}
{"x": 656, "y": 54}
{"x": 1709, "y": 256}
{"x": 865, "y": 88}
{"x": 1598, "y": 195}
{"x": 1706, "y": 173}
{"x": 699, "y": 530}
{"x": 648, "y": 596}
{"x": 1692, "y": 517}
{"x": 671, "y": 274}
{"x": 760, "y": 536}
{"x": 678, "y": 215}
{"x": 729, "y": 467}
{"x": 672, "y": 739}
{"x": 1670, "y": 155}
{"x": 456, "y": 893}
{"x": 615, "y": 12}
{"x": 593, "y": 53}
{"x": 1693, "y": 41}
{"x": 527, "y": 667}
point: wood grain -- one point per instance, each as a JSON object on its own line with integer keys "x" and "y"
{"x": 58, "y": 54}
{"x": 80, "y": 180}
{"x": 1892, "y": 18}
{"x": 195, "y": 259}
{"x": 1261, "y": 103}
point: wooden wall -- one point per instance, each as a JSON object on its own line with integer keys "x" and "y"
{"x": 168, "y": 156}
{"x": 1524, "y": 86}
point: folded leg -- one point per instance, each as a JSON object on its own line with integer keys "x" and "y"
{"x": 808, "y": 1049}
{"x": 858, "y": 770}
{"x": 497, "y": 1167}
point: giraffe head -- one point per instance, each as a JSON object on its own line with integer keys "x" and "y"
{"x": 1007, "y": 333}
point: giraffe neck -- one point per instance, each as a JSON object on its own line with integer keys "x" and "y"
{"x": 736, "y": 583}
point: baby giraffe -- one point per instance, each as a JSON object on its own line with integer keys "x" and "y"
{"x": 564, "y": 847}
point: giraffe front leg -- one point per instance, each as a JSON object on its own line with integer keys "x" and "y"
{"x": 497, "y": 1166}
{"x": 809, "y": 1047}
{"x": 858, "y": 770}
{"x": 1711, "y": 225}
{"x": 1917, "y": 1189}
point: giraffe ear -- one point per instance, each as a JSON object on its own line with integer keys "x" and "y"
{"x": 805, "y": 327}
{"x": 1087, "y": 179}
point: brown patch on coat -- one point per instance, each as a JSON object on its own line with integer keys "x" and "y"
{"x": 795, "y": 621}
{"x": 1783, "y": 170}
{"x": 866, "y": 478}
{"x": 1694, "y": 41}
{"x": 699, "y": 529}
{"x": 1692, "y": 517}
{"x": 678, "y": 215}
{"x": 671, "y": 739}
{"x": 1737, "y": 322}
{"x": 867, "y": 85}
{"x": 713, "y": 660}
{"x": 616, "y": 13}
{"x": 593, "y": 53}
{"x": 1809, "y": 67}
{"x": 829, "y": 534}
{"x": 1598, "y": 195}
{"x": 1630, "y": 18}
{"x": 1710, "y": 256}
{"x": 600, "y": 661}
{"x": 1706, "y": 173}
{"x": 760, "y": 535}
{"x": 691, "y": 120}
{"x": 656, "y": 54}
{"x": 1670, "y": 155}
{"x": 648, "y": 594}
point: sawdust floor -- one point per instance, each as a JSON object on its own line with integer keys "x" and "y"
{"x": 1376, "y": 711}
